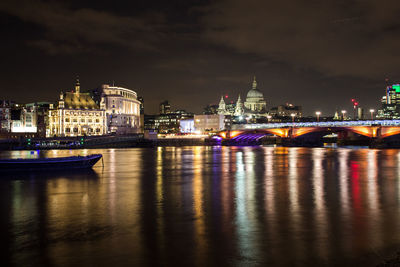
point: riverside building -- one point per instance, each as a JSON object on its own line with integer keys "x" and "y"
{"x": 122, "y": 109}
{"x": 76, "y": 114}
{"x": 5, "y": 115}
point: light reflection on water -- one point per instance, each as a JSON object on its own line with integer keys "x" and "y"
{"x": 228, "y": 206}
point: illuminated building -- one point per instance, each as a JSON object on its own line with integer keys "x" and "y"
{"x": 186, "y": 126}
{"x": 285, "y": 111}
{"x": 360, "y": 113}
{"x": 42, "y": 117}
{"x": 141, "y": 100}
{"x": 165, "y": 107}
{"x": 166, "y": 123}
{"x": 5, "y": 115}
{"x": 239, "y": 107}
{"x": 336, "y": 117}
{"x": 23, "y": 120}
{"x": 76, "y": 114}
{"x": 122, "y": 109}
{"x": 209, "y": 123}
{"x": 222, "y": 107}
{"x": 255, "y": 103}
{"x": 390, "y": 103}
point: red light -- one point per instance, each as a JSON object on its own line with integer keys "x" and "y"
{"x": 226, "y": 96}
{"x": 353, "y": 100}
{"x": 356, "y": 103}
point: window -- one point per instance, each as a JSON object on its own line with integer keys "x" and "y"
{"x": 66, "y": 119}
{"x": 82, "y": 120}
{"x": 67, "y": 130}
{"x": 75, "y": 130}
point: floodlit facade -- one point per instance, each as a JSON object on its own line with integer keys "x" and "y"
{"x": 76, "y": 115}
{"x": 209, "y": 123}
{"x": 122, "y": 109}
{"x": 186, "y": 126}
{"x": 5, "y": 115}
{"x": 23, "y": 120}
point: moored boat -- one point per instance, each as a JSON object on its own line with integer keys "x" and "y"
{"x": 75, "y": 162}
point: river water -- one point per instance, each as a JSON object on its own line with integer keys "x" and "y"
{"x": 205, "y": 206}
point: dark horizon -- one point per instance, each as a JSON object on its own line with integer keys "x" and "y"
{"x": 317, "y": 55}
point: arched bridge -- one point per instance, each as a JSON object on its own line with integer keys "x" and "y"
{"x": 372, "y": 129}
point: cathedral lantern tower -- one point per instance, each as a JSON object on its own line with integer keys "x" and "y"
{"x": 77, "y": 86}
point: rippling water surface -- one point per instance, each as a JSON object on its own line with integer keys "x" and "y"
{"x": 205, "y": 206}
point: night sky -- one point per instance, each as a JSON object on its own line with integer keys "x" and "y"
{"x": 318, "y": 54}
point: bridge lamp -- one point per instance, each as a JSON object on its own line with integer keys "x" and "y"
{"x": 318, "y": 113}
{"x": 372, "y": 113}
{"x": 344, "y": 113}
{"x": 293, "y": 115}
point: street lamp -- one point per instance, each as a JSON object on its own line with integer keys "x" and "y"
{"x": 372, "y": 113}
{"x": 318, "y": 113}
{"x": 343, "y": 113}
{"x": 293, "y": 115}
{"x": 269, "y": 117}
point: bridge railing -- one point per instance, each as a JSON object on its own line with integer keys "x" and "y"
{"x": 317, "y": 124}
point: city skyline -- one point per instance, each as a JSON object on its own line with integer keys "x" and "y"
{"x": 230, "y": 99}
{"x": 193, "y": 50}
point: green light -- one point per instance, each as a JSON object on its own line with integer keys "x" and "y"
{"x": 396, "y": 87}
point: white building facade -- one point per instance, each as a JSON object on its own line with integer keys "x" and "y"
{"x": 122, "y": 109}
{"x": 26, "y": 121}
{"x": 209, "y": 123}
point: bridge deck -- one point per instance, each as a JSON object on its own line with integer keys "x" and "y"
{"x": 317, "y": 124}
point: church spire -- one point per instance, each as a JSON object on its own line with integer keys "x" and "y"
{"x": 239, "y": 107}
{"x": 254, "y": 82}
{"x": 222, "y": 106}
{"x": 222, "y": 100}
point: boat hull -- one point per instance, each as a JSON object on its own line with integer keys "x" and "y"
{"x": 50, "y": 164}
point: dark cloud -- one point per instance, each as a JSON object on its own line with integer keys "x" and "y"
{"x": 359, "y": 38}
{"x": 69, "y": 30}
{"x": 318, "y": 54}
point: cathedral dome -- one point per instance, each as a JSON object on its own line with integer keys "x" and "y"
{"x": 254, "y": 93}
{"x": 255, "y": 102}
